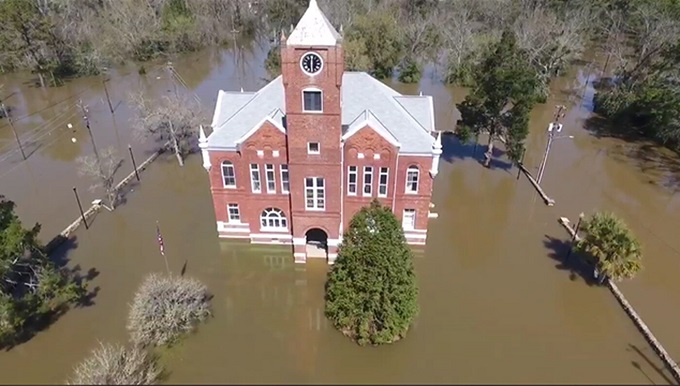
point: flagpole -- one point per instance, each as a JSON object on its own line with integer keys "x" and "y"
{"x": 162, "y": 247}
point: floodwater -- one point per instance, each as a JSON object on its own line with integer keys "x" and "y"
{"x": 496, "y": 303}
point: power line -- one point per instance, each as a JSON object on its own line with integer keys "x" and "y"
{"x": 41, "y": 134}
{"x": 46, "y": 108}
{"x": 47, "y": 145}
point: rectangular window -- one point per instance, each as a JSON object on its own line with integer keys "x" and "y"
{"x": 352, "y": 181}
{"x": 285, "y": 185}
{"x": 234, "y": 214}
{"x": 311, "y": 101}
{"x": 412, "y": 179}
{"x": 382, "y": 183}
{"x": 255, "y": 182}
{"x": 271, "y": 179}
{"x": 314, "y": 193}
{"x": 368, "y": 180}
{"x": 313, "y": 148}
{"x": 408, "y": 221}
{"x": 228, "y": 174}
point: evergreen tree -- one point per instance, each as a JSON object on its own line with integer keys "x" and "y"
{"x": 31, "y": 286}
{"x": 504, "y": 91}
{"x": 371, "y": 292}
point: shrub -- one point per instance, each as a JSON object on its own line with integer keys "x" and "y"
{"x": 116, "y": 365}
{"x": 166, "y": 307}
{"x": 371, "y": 292}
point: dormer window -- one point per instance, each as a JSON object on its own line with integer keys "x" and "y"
{"x": 312, "y": 101}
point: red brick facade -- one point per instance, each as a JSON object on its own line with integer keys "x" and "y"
{"x": 272, "y": 147}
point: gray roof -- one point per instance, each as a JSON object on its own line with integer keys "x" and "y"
{"x": 409, "y": 119}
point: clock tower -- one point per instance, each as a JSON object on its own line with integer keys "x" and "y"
{"x": 312, "y": 66}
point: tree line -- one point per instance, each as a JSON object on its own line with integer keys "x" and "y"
{"x": 60, "y": 38}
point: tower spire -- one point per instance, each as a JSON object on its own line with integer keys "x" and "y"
{"x": 314, "y": 29}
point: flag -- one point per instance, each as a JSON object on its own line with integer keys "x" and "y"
{"x": 160, "y": 239}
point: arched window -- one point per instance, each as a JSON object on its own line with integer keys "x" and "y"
{"x": 228, "y": 174}
{"x": 412, "y": 174}
{"x": 273, "y": 219}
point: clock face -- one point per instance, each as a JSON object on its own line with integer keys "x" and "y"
{"x": 311, "y": 63}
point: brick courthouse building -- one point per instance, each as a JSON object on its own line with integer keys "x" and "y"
{"x": 294, "y": 161}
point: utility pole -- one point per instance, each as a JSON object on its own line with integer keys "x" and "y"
{"x": 86, "y": 119}
{"x": 108, "y": 98}
{"x": 553, "y": 127}
{"x": 14, "y": 129}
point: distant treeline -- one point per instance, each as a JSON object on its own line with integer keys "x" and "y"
{"x": 61, "y": 38}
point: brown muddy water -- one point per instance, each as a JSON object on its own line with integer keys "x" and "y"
{"x": 496, "y": 304}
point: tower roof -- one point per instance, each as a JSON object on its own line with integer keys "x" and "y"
{"x": 314, "y": 29}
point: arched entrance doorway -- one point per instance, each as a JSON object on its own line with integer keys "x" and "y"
{"x": 317, "y": 243}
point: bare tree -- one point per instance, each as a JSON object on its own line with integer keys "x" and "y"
{"x": 422, "y": 35}
{"x": 551, "y": 42}
{"x": 458, "y": 38}
{"x": 171, "y": 120}
{"x": 103, "y": 170}
{"x": 116, "y": 365}
{"x": 651, "y": 29}
{"x": 166, "y": 307}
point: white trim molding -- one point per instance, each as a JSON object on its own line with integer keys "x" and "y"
{"x": 238, "y": 227}
{"x": 258, "y": 126}
{"x": 285, "y": 236}
{"x": 409, "y": 235}
{"x": 242, "y": 236}
{"x": 311, "y": 89}
{"x": 366, "y": 118}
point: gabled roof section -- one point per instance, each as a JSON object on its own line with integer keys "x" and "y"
{"x": 368, "y": 119}
{"x": 361, "y": 91}
{"x": 228, "y": 103}
{"x": 275, "y": 118}
{"x": 234, "y": 117}
{"x": 314, "y": 29}
{"x": 406, "y": 119}
{"x": 421, "y": 109}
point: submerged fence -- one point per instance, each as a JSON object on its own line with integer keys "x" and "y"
{"x": 634, "y": 316}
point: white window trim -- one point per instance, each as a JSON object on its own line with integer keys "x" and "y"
{"x": 403, "y": 219}
{"x": 282, "y": 168}
{"x": 265, "y": 228}
{"x": 303, "y": 100}
{"x": 238, "y": 210}
{"x": 252, "y": 181}
{"x": 309, "y": 148}
{"x": 315, "y": 194}
{"x": 407, "y": 186}
{"x": 387, "y": 181}
{"x": 233, "y": 169}
{"x": 363, "y": 182}
{"x": 355, "y": 173}
{"x": 266, "y": 177}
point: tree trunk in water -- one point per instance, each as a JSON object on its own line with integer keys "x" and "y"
{"x": 489, "y": 152}
{"x": 42, "y": 80}
{"x": 175, "y": 146}
{"x": 112, "y": 200}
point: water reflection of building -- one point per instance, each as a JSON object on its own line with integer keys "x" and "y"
{"x": 292, "y": 162}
